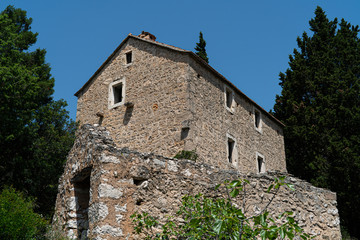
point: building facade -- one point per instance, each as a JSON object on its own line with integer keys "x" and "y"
{"x": 157, "y": 98}
{"x": 146, "y": 103}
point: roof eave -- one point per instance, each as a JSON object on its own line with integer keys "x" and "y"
{"x": 102, "y": 65}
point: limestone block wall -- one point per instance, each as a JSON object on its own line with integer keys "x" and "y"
{"x": 178, "y": 103}
{"x": 103, "y": 185}
{"x": 155, "y": 84}
{"x": 213, "y": 123}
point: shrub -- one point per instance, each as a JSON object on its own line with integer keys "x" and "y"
{"x": 190, "y": 155}
{"x": 17, "y": 217}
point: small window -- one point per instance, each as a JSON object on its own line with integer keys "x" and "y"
{"x": 118, "y": 97}
{"x": 184, "y": 132}
{"x": 116, "y": 93}
{"x": 229, "y": 99}
{"x": 260, "y": 163}
{"x": 257, "y": 120}
{"x": 128, "y": 57}
{"x": 231, "y": 145}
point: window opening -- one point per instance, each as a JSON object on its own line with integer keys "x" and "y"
{"x": 184, "y": 132}
{"x": 261, "y": 164}
{"x": 228, "y": 98}
{"x": 128, "y": 57}
{"x": 118, "y": 93}
{"x": 231, "y": 145}
{"x": 257, "y": 119}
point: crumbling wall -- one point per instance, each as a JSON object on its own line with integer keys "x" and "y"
{"x": 123, "y": 181}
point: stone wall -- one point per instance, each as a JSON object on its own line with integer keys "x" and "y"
{"x": 213, "y": 123}
{"x": 103, "y": 185}
{"x": 155, "y": 85}
{"x": 177, "y": 104}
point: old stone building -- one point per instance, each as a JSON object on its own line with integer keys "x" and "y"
{"x": 157, "y": 98}
{"x": 147, "y": 102}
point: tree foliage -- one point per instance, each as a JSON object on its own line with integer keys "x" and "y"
{"x": 17, "y": 217}
{"x": 221, "y": 218}
{"x": 200, "y": 48}
{"x": 320, "y": 107}
{"x": 35, "y": 131}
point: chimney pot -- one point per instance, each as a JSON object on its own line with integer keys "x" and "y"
{"x": 147, "y": 35}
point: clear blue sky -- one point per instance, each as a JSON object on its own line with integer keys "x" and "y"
{"x": 247, "y": 41}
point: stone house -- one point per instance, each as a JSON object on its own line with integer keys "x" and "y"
{"x": 157, "y": 98}
{"x": 147, "y": 102}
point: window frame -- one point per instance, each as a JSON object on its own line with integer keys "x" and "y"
{"x": 112, "y": 86}
{"x": 258, "y": 126}
{"x": 263, "y": 165}
{"x": 126, "y": 58}
{"x": 229, "y": 94}
{"x": 234, "y": 155}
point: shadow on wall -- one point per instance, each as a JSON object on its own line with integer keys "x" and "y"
{"x": 128, "y": 114}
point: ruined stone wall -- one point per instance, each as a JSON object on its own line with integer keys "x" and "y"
{"x": 213, "y": 123}
{"x": 155, "y": 84}
{"x": 118, "y": 182}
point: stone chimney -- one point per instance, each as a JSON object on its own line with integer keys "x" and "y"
{"x": 147, "y": 35}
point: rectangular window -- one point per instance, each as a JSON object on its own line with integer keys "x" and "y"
{"x": 231, "y": 145}
{"x": 229, "y": 99}
{"x": 260, "y": 163}
{"x": 128, "y": 57}
{"x": 117, "y": 93}
{"x": 117, "y": 90}
{"x": 257, "y": 120}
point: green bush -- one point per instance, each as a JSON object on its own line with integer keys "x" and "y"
{"x": 190, "y": 155}
{"x": 224, "y": 218}
{"x": 17, "y": 217}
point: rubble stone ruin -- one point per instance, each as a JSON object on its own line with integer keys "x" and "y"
{"x": 147, "y": 102}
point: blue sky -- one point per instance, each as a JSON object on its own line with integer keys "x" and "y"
{"x": 247, "y": 41}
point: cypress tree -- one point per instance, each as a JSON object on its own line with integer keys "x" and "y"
{"x": 320, "y": 106}
{"x": 200, "y": 48}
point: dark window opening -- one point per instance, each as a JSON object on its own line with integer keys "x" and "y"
{"x": 184, "y": 132}
{"x": 128, "y": 57}
{"x": 228, "y": 98}
{"x": 231, "y": 144}
{"x": 261, "y": 164}
{"x": 118, "y": 93}
{"x": 257, "y": 119}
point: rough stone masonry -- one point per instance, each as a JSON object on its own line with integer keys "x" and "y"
{"x": 103, "y": 185}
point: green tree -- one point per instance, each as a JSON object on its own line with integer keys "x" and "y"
{"x": 220, "y": 218}
{"x": 17, "y": 217}
{"x": 35, "y": 131}
{"x": 200, "y": 48}
{"x": 320, "y": 107}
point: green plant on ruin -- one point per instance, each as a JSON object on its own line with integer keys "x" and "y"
{"x": 222, "y": 218}
{"x": 190, "y": 155}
